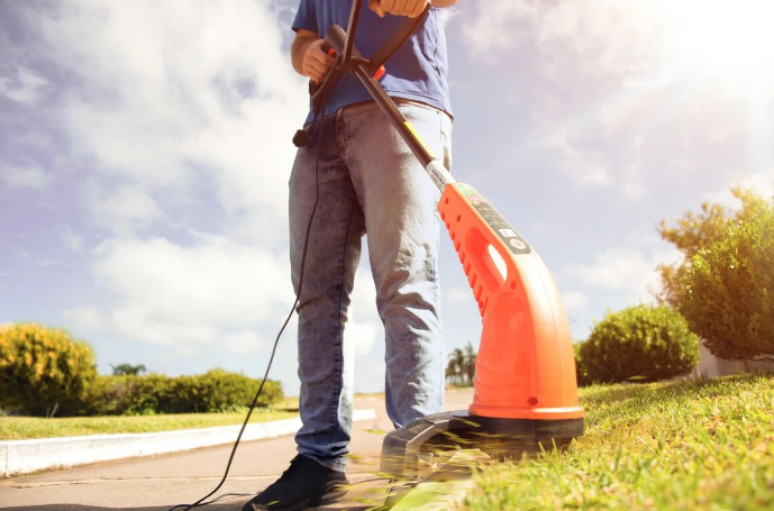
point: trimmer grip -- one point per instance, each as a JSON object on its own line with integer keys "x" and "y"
{"x": 474, "y": 226}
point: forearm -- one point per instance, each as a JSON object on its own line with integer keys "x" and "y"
{"x": 444, "y": 3}
{"x": 297, "y": 51}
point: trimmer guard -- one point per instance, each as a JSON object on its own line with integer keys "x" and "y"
{"x": 405, "y": 450}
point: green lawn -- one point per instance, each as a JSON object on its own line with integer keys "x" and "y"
{"x": 19, "y": 428}
{"x": 706, "y": 445}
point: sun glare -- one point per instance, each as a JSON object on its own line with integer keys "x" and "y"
{"x": 731, "y": 41}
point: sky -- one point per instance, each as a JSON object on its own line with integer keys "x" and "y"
{"x": 145, "y": 150}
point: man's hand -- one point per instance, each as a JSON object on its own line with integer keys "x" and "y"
{"x": 316, "y": 62}
{"x": 408, "y": 8}
{"x": 308, "y": 57}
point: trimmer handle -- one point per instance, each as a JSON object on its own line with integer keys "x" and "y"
{"x": 335, "y": 38}
{"x": 333, "y": 45}
{"x": 474, "y": 226}
{"x": 315, "y": 85}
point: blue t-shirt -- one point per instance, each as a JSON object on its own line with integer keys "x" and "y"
{"x": 418, "y": 71}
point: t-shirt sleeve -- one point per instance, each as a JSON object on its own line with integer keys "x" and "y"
{"x": 306, "y": 17}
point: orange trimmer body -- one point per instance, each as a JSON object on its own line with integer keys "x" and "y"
{"x": 525, "y": 367}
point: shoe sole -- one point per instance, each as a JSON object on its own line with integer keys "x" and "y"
{"x": 329, "y": 495}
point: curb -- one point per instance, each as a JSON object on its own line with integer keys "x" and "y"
{"x": 25, "y": 456}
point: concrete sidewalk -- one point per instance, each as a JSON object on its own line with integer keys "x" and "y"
{"x": 161, "y": 482}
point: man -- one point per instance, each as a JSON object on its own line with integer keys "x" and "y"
{"x": 369, "y": 182}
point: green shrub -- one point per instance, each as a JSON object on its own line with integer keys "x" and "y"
{"x": 214, "y": 391}
{"x": 729, "y": 298}
{"x": 130, "y": 395}
{"x": 44, "y": 371}
{"x": 642, "y": 343}
{"x": 221, "y": 391}
{"x": 580, "y": 366}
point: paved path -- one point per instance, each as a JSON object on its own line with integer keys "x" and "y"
{"x": 158, "y": 483}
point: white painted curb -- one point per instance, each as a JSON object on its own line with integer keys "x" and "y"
{"x": 25, "y": 456}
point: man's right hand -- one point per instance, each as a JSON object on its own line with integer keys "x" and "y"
{"x": 316, "y": 62}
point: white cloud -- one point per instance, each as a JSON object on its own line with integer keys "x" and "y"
{"x": 623, "y": 92}
{"x": 574, "y": 299}
{"x": 178, "y": 98}
{"x": 760, "y": 182}
{"x": 364, "y": 334}
{"x": 460, "y": 294}
{"x": 87, "y": 319}
{"x": 72, "y": 240}
{"x": 31, "y": 176}
{"x": 631, "y": 271}
{"x": 448, "y": 14}
{"x": 580, "y": 165}
{"x": 243, "y": 343}
{"x": 364, "y": 322}
{"x": 23, "y": 85}
{"x": 499, "y": 24}
{"x": 164, "y": 293}
{"x": 123, "y": 209}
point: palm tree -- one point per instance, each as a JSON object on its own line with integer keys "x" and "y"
{"x": 455, "y": 369}
{"x": 469, "y": 363}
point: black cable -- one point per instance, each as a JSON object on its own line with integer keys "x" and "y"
{"x": 200, "y": 502}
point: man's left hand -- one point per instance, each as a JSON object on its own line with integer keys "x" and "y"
{"x": 408, "y": 8}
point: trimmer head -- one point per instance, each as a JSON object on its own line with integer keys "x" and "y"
{"x": 407, "y": 452}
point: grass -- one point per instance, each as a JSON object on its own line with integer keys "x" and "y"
{"x": 698, "y": 445}
{"x": 21, "y": 428}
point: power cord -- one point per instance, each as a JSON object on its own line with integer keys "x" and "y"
{"x": 201, "y": 502}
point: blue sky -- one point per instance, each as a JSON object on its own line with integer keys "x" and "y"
{"x": 145, "y": 149}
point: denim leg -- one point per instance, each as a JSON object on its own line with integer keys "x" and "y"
{"x": 399, "y": 202}
{"x": 332, "y": 255}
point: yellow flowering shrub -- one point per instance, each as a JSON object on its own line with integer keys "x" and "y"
{"x": 43, "y": 371}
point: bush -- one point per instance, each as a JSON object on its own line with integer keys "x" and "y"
{"x": 44, "y": 371}
{"x": 730, "y": 290}
{"x": 130, "y": 395}
{"x": 642, "y": 343}
{"x": 214, "y": 391}
{"x": 580, "y": 366}
{"x": 221, "y": 391}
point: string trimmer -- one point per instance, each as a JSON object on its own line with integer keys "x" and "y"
{"x": 526, "y": 395}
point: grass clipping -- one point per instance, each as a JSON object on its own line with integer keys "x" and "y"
{"x": 706, "y": 445}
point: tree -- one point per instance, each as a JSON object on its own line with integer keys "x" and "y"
{"x": 461, "y": 368}
{"x": 124, "y": 369}
{"x": 470, "y": 363}
{"x": 697, "y": 231}
{"x": 455, "y": 369}
{"x": 728, "y": 291}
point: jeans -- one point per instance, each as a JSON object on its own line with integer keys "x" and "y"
{"x": 369, "y": 182}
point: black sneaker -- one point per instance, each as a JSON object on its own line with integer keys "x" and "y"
{"x": 305, "y": 484}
